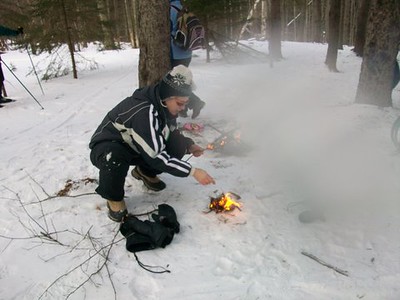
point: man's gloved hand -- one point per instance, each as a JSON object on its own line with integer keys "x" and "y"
{"x": 20, "y": 30}
{"x": 167, "y": 217}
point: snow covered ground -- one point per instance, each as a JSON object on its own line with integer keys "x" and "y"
{"x": 310, "y": 147}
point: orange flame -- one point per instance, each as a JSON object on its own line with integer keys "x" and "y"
{"x": 224, "y": 140}
{"x": 224, "y": 203}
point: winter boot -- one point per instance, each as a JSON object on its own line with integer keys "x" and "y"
{"x": 152, "y": 183}
{"x": 116, "y": 210}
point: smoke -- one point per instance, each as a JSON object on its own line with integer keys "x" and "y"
{"x": 306, "y": 134}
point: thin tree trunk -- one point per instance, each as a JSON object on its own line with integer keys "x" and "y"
{"x": 380, "y": 52}
{"x": 154, "y": 37}
{"x": 317, "y": 24}
{"x": 249, "y": 20}
{"x": 341, "y": 26}
{"x": 129, "y": 24}
{"x": 207, "y": 39}
{"x": 104, "y": 21}
{"x": 116, "y": 26}
{"x": 275, "y": 49}
{"x": 333, "y": 37}
{"x": 69, "y": 39}
{"x": 135, "y": 8}
{"x": 264, "y": 19}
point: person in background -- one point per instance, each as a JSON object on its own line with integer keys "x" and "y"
{"x": 181, "y": 56}
{"x": 5, "y": 31}
{"x": 141, "y": 131}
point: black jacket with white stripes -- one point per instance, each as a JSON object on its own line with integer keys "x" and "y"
{"x": 142, "y": 123}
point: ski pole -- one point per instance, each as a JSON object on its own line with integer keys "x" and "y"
{"x": 21, "y": 83}
{"x": 34, "y": 69}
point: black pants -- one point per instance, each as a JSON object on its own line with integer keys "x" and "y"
{"x": 113, "y": 160}
{"x": 186, "y": 62}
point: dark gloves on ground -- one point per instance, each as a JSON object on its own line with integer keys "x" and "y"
{"x": 167, "y": 217}
{"x": 138, "y": 242}
{"x": 20, "y": 30}
{"x": 144, "y": 235}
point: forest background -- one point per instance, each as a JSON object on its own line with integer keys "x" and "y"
{"x": 372, "y": 26}
{"x": 44, "y": 149}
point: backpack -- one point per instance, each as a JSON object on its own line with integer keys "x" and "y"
{"x": 190, "y": 33}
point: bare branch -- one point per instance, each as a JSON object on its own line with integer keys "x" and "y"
{"x": 342, "y": 272}
{"x": 109, "y": 246}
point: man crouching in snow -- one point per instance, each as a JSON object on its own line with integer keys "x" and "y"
{"x": 141, "y": 131}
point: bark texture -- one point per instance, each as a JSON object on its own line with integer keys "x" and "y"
{"x": 380, "y": 52}
{"x": 154, "y": 40}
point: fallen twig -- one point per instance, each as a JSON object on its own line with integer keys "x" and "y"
{"x": 65, "y": 196}
{"x": 99, "y": 251}
{"x": 342, "y": 272}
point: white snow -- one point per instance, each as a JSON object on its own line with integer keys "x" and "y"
{"x": 311, "y": 147}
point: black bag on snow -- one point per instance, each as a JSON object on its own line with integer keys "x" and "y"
{"x": 167, "y": 217}
{"x": 144, "y": 235}
{"x": 147, "y": 235}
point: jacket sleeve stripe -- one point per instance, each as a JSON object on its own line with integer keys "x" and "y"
{"x": 175, "y": 163}
{"x": 157, "y": 144}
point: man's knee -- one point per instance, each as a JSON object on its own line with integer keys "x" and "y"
{"x": 110, "y": 156}
{"x": 113, "y": 163}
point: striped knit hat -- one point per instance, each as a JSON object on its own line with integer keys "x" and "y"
{"x": 177, "y": 82}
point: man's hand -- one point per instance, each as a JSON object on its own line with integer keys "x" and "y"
{"x": 203, "y": 177}
{"x": 196, "y": 150}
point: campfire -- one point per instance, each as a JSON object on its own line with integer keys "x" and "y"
{"x": 225, "y": 202}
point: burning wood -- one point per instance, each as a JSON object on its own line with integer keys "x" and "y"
{"x": 229, "y": 143}
{"x": 230, "y": 137}
{"x": 225, "y": 202}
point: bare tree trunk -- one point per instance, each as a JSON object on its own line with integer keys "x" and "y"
{"x": 263, "y": 19}
{"x": 352, "y": 21}
{"x": 249, "y": 20}
{"x": 361, "y": 27}
{"x": 135, "y": 8}
{"x": 275, "y": 49}
{"x": 317, "y": 24}
{"x": 341, "y": 26}
{"x": 302, "y": 21}
{"x": 307, "y": 27}
{"x": 207, "y": 39}
{"x": 115, "y": 27}
{"x": 69, "y": 39}
{"x": 380, "y": 52}
{"x": 105, "y": 26}
{"x": 129, "y": 23}
{"x": 154, "y": 37}
{"x": 333, "y": 36}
